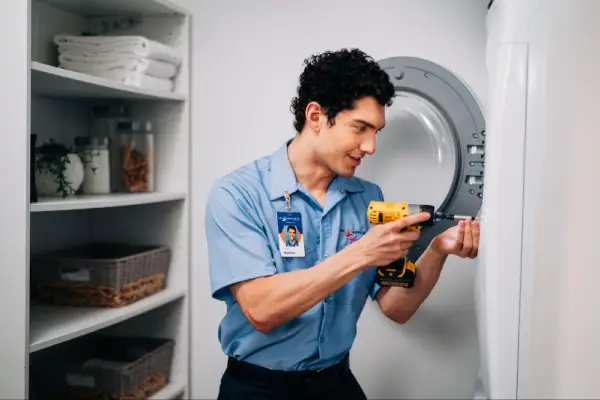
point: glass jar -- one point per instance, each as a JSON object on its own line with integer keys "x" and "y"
{"x": 96, "y": 162}
{"x": 104, "y": 124}
{"x": 137, "y": 156}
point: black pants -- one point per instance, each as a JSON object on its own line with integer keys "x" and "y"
{"x": 243, "y": 381}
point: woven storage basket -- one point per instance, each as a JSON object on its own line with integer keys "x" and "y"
{"x": 100, "y": 275}
{"x": 107, "y": 367}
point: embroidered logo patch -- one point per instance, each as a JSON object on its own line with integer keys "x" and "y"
{"x": 353, "y": 235}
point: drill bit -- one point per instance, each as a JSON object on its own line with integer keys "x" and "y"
{"x": 454, "y": 217}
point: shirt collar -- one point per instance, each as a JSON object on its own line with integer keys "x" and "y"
{"x": 282, "y": 177}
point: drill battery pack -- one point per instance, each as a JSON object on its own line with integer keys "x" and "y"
{"x": 401, "y": 273}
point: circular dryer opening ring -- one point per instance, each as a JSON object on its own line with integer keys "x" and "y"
{"x": 442, "y": 152}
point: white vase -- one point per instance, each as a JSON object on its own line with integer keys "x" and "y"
{"x": 47, "y": 183}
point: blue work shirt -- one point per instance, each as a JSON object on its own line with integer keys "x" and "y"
{"x": 243, "y": 243}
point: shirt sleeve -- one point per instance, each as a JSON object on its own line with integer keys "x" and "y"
{"x": 238, "y": 248}
{"x": 375, "y": 288}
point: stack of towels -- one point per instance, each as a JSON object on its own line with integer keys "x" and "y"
{"x": 133, "y": 60}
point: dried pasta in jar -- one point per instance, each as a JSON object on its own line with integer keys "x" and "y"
{"x": 137, "y": 156}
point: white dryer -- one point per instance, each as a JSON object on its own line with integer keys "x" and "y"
{"x": 536, "y": 288}
{"x": 535, "y": 152}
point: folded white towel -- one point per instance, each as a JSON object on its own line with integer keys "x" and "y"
{"x": 136, "y": 78}
{"x": 82, "y": 63}
{"x": 132, "y": 45}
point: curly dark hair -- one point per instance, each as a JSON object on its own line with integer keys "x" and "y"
{"x": 336, "y": 80}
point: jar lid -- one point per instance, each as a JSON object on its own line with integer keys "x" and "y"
{"x": 135, "y": 126}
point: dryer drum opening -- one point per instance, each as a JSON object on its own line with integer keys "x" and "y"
{"x": 432, "y": 149}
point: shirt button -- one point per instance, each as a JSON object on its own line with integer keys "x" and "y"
{"x": 321, "y": 340}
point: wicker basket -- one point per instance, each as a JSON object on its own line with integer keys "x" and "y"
{"x": 107, "y": 367}
{"x": 100, "y": 275}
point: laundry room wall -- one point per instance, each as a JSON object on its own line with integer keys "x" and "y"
{"x": 247, "y": 56}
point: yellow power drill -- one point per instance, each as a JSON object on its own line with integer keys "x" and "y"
{"x": 403, "y": 272}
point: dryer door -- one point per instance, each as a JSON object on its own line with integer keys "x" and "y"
{"x": 432, "y": 148}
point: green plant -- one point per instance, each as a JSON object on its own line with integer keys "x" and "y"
{"x": 52, "y": 157}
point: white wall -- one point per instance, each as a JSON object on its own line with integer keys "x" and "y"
{"x": 247, "y": 57}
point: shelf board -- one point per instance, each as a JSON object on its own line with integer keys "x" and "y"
{"x": 86, "y": 202}
{"x": 107, "y": 8}
{"x": 51, "y": 325}
{"x": 50, "y": 81}
{"x": 171, "y": 391}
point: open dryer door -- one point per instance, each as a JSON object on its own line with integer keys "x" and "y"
{"x": 432, "y": 148}
{"x": 430, "y": 152}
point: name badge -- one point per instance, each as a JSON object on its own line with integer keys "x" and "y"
{"x": 291, "y": 234}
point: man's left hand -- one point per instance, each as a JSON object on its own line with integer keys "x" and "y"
{"x": 461, "y": 240}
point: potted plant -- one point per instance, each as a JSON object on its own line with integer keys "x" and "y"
{"x": 58, "y": 170}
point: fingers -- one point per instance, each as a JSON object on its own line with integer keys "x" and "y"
{"x": 408, "y": 236}
{"x": 460, "y": 236}
{"x": 467, "y": 244}
{"x": 476, "y": 233}
{"x": 402, "y": 238}
{"x": 407, "y": 221}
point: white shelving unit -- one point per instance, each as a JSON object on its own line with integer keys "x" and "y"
{"x": 83, "y": 202}
{"x": 58, "y": 106}
{"x": 59, "y": 83}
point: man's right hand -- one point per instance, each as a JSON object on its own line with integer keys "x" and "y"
{"x": 386, "y": 243}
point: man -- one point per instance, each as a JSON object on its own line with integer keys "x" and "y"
{"x": 291, "y": 240}
{"x": 292, "y": 315}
